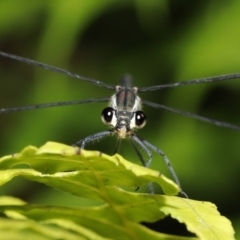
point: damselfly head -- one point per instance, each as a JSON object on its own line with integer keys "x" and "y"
{"x": 124, "y": 113}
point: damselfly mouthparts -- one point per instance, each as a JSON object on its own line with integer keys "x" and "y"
{"x": 124, "y": 113}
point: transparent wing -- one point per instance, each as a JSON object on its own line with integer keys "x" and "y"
{"x": 192, "y": 115}
{"x": 55, "y": 69}
{"x": 52, "y": 104}
{"x": 191, "y": 82}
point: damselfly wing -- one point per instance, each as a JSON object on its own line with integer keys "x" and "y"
{"x": 124, "y": 114}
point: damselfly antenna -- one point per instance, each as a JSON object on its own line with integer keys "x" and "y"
{"x": 124, "y": 114}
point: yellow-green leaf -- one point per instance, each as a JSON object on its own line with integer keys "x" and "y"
{"x": 98, "y": 176}
{"x": 80, "y": 172}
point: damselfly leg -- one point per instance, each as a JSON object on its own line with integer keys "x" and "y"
{"x": 124, "y": 114}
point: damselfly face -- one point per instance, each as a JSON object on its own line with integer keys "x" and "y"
{"x": 202, "y": 154}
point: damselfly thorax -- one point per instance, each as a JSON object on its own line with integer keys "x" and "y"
{"x": 124, "y": 114}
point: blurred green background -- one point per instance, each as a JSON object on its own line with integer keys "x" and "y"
{"x": 156, "y": 42}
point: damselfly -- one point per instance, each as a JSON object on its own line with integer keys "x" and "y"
{"x": 124, "y": 114}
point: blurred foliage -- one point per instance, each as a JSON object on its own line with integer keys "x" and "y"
{"x": 156, "y": 42}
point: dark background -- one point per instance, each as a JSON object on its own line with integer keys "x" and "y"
{"x": 156, "y": 42}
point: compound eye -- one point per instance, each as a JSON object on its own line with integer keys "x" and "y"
{"x": 140, "y": 119}
{"x": 107, "y": 115}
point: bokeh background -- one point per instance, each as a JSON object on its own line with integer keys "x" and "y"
{"x": 156, "y": 42}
